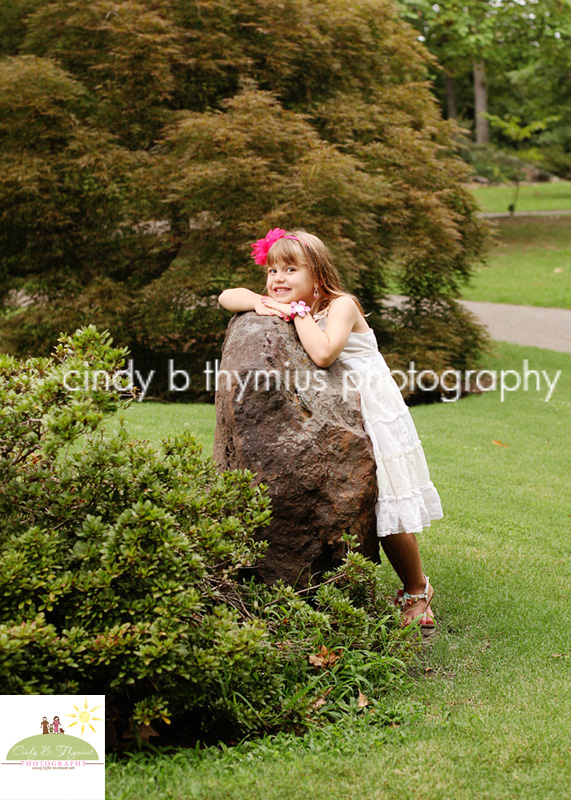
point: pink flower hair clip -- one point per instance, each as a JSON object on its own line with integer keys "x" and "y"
{"x": 261, "y": 248}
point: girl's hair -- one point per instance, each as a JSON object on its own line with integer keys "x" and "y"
{"x": 308, "y": 250}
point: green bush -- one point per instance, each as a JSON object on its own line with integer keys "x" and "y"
{"x": 120, "y": 567}
{"x": 553, "y": 157}
{"x": 497, "y": 166}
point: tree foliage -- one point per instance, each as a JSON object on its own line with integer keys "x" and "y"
{"x": 162, "y": 137}
{"x": 523, "y": 46}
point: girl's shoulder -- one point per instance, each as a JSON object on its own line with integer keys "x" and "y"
{"x": 342, "y": 303}
{"x": 347, "y": 310}
{"x": 344, "y": 300}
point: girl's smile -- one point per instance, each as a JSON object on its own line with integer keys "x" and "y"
{"x": 290, "y": 282}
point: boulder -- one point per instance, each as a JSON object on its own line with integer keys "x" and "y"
{"x": 280, "y": 416}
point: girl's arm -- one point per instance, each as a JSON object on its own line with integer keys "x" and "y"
{"x": 323, "y": 347}
{"x": 241, "y": 299}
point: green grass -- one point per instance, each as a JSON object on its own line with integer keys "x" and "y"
{"x": 534, "y": 197}
{"x": 493, "y": 710}
{"x": 530, "y": 264}
{"x": 155, "y": 421}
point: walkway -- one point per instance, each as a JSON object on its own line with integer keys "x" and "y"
{"x": 527, "y": 325}
{"x": 530, "y": 326}
{"x": 505, "y": 214}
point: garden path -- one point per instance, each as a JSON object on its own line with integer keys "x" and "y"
{"x": 503, "y": 214}
{"x": 530, "y": 326}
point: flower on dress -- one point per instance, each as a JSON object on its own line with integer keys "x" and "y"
{"x": 261, "y": 248}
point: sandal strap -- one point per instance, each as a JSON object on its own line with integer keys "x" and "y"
{"x": 407, "y": 599}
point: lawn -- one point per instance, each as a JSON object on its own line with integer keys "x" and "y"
{"x": 155, "y": 421}
{"x": 532, "y": 197}
{"x": 530, "y": 264}
{"x": 490, "y": 712}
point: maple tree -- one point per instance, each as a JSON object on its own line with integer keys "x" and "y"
{"x": 186, "y": 131}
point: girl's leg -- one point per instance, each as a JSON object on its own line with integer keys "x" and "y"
{"x": 392, "y": 558}
{"x": 402, "y": 552}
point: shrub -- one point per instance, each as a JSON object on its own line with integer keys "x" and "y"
{"x": 120, "y": 564}
{"x": 554, "y": 157}
{"x": 497, "y": 166}
{"x": 454, "y": 343}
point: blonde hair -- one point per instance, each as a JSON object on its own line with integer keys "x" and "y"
{"x": 309, "y": 251}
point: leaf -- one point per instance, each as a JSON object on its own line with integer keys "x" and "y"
{"x": 499, "y": 444}
{"x": 321, "y": 700}
{"x": 325, "y": 657}
{"x": 362, "y": 702}
{"x": 146, "y": 731}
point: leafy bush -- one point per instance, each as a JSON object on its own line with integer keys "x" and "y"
{"x": 120, "y": 564}
{"x": 554, "y": 157}
{"x": 493, "y": 164}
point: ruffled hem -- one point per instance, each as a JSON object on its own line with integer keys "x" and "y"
{"x": 408, "y": 514}
{"x": 408, "y": 500}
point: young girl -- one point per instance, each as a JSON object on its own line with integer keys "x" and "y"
{"x": 304, "y": 288}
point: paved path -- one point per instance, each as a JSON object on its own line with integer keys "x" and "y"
{"x": 504, "y": 214}
{"x": 526, "y": 325}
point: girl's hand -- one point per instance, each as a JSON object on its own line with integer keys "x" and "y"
{"x": 264, "y": 309}
{"x": 283, "y": 309}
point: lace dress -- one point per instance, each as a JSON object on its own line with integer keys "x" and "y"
{"x": 407, "y": 499}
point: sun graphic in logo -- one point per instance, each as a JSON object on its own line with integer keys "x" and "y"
{"x": 84, "y": 717}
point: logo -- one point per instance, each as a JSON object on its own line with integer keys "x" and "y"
{"x": 60, "y": 749}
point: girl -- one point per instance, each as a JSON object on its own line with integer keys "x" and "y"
{"x": 304, "y": 287}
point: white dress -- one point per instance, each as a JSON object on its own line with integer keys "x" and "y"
{"x": 407, "y": 499}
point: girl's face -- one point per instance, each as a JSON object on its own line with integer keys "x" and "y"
{"x": 289, "y": 282}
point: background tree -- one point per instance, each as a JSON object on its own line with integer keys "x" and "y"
{"x": 122, "y": 52}
{"x": 186, "y": 130}
{"x": 498, "y": 48}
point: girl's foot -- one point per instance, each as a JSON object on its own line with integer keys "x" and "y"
{"x": 427, "y": 617}
{"x": 417, "y": 607}
{"x": 428, "y": 622}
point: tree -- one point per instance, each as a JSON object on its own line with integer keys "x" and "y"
{"x": 15, "y": 14}
{"x": 67, "y": 194}
{"x": 122, "y": 52}
{"x": 494, "y": 36}
{"x": 255, "y": 114}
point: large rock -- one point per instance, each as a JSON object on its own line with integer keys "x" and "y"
{"x": 304, "y": 442}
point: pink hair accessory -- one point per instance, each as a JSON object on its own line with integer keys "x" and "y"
{"x": 261, "y": 248}
{"x": 300, "y": 307}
